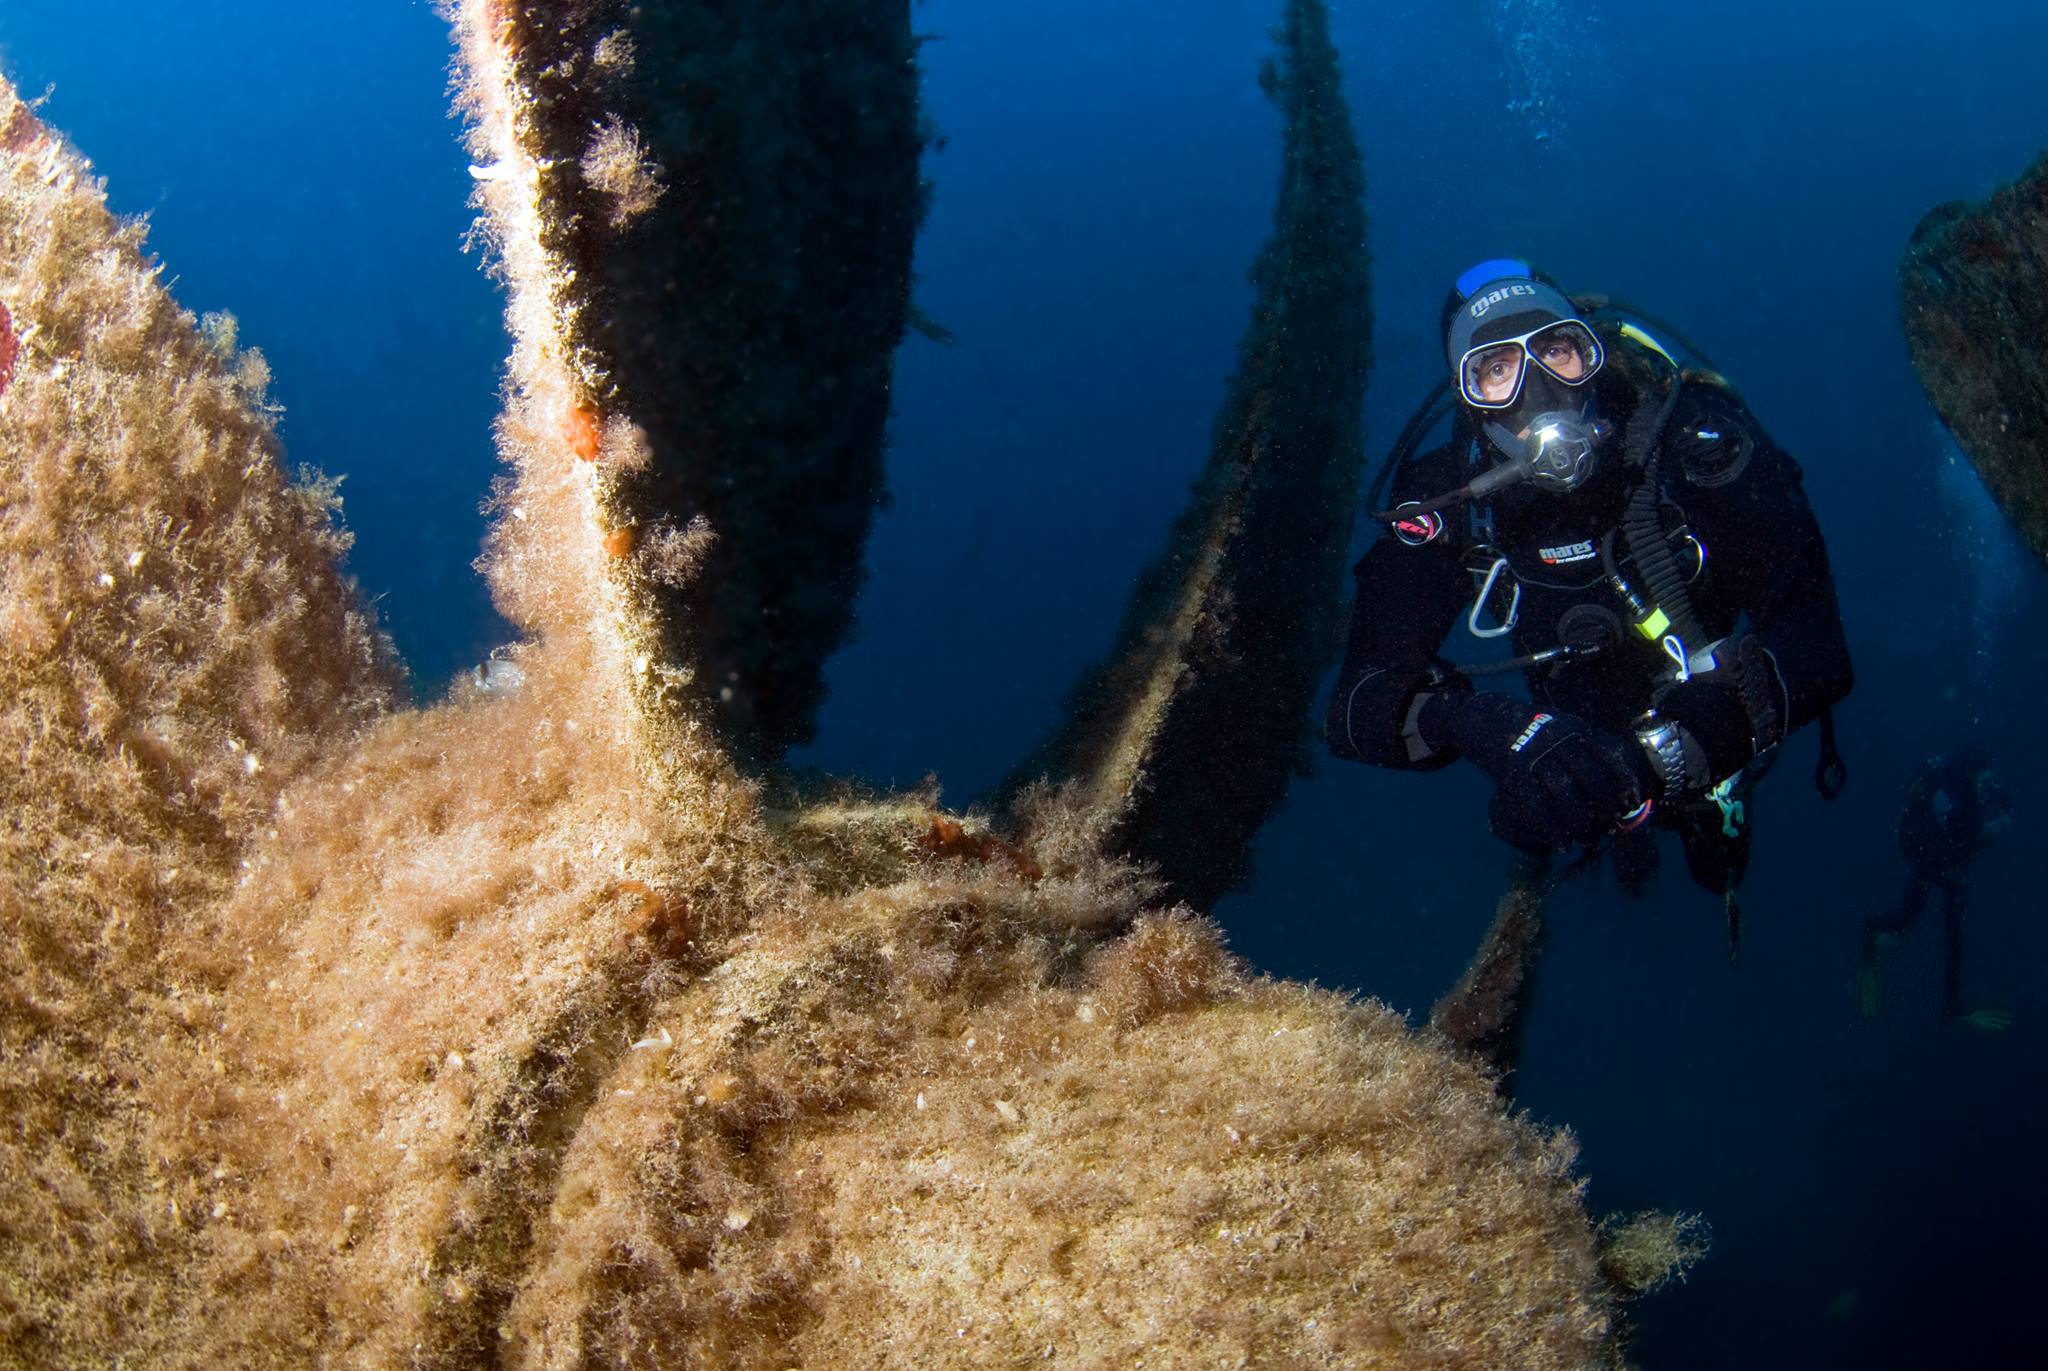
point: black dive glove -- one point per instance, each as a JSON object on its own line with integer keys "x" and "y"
{"x": 1559, "y": 781}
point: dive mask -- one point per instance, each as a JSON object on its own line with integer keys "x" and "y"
{"x": 1492, "y": 375}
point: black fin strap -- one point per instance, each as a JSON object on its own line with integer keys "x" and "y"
{"x": 1756, "y": 676}
{"x": 1831, "y": 773}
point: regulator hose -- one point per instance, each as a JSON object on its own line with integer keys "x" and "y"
{"x": 1642, "y": 525}
{"x": 1426, "y": 417}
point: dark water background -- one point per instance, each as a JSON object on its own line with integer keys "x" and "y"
{"x": 1749, "y": 170}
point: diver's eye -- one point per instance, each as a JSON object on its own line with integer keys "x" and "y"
{"x": 1563, "y": 360}
{"x": 1492, "y": 376}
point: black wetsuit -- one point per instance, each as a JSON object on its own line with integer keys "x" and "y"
{"x": 1951, "y": 811}
{"x": 1736, "y": 515}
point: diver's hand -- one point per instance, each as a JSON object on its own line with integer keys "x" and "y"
{"x": 1985, "y": 1020}
{"x": 1560, "y": 781}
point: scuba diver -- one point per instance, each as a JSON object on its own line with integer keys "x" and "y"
{"x": 1953, "y": 810}
{"x": 1624, "y": 521}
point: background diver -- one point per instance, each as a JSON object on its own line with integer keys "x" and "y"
{"x": 1624, "y": 521}
{"x": 1953, "y": 809}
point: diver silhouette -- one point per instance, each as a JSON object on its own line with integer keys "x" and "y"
{"x": 1953, "y": 809}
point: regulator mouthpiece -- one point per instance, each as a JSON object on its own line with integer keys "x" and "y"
{"x": 1558, "y": 455}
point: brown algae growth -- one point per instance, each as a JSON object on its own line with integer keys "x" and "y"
{"x": 533, "y": 1029}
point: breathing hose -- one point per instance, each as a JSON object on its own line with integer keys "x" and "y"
{"x": 1642, "y": 525}
{"x": 1431, "y": 412}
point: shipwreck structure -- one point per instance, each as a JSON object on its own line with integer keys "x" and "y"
{"x": 1974, "y": 299}
{"x": 522, "y": 1030}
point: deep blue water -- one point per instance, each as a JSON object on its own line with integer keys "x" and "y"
{"x": 1749, "y": 170}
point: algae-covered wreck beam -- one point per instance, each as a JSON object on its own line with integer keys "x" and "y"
{"x": 505, "y": 1032}
{"x": 1483, "y": 1014}
{"x": 1974, "y": 294}
{"x": 1185, "y": 739}
{"x": 726, "y": 195}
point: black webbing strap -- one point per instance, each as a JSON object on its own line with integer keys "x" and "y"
{"x": 1830, "y": 773}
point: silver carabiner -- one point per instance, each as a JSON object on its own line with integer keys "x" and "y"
{"x": 1507, "y": 624}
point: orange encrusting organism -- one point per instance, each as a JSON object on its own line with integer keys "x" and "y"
{"x": 619, "y": 541}
{"x": 949, "y": 838}
{"x": 660, "y": 915}
{"x": 583, "y": 432}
